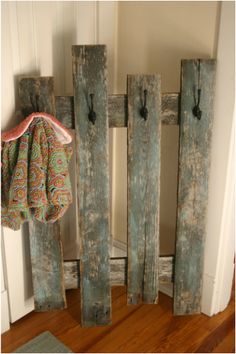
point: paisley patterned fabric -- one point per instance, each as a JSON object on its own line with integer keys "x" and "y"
{"x": 35, "y": 176}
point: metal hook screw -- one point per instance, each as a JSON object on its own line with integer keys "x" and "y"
{"x": 196, "y": 109}
{"x": 92, "y": 115}
{"x": 144, "y": 110}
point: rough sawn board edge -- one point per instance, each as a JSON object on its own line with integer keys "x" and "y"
{"x": 194, "y": 164}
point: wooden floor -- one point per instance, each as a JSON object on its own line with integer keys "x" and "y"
{"x": 135, "y": 328}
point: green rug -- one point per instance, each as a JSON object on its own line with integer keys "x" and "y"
{"x": 44, "y": 343}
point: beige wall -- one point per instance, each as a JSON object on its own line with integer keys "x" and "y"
{"x": 154, "y": 37}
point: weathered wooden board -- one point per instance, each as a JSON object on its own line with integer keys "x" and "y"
{"x": 143, "y": 188}
{"x": 118, "y": 271}
{"x": 90, "y": 76}
{"x": 65, "y": 110}
{"x": 118, "y": 110}
{"x": 170, "y": 108}
{"x": 47, "y": 266}
{"x": 37, "y": 94}
{"x": 194, "y": 161}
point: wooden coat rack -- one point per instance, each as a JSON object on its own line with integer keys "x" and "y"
{"x": 143, "y": 269}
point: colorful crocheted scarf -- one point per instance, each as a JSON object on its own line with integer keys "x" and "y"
{"x": 35, "y": 176}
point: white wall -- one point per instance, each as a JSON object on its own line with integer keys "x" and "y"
{"x": 4, "y": 303}
{"x": 219, "y": 251}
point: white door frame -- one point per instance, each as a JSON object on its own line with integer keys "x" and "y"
{"x": 219, "y": 249}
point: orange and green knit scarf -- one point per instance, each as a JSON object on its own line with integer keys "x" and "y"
{"x": 35, "y": 176}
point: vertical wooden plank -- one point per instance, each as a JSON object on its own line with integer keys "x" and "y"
{"x": 45, "y": 241}
{"x": 90, "y": 76}
{"x": 194, "y": 161}
{"x": 143, "y": 189}
{"x": 47, "y": 266}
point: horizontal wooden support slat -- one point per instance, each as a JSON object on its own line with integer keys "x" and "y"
{"x": 118, "y": 271}
{"x": 117, "y": 110}
{"x": 65, "y": 110}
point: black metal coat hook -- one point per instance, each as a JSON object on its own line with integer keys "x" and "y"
{"x": 196, "y": 109}
{"x": 92, "y": 115}
{"x": 144, "y": 110}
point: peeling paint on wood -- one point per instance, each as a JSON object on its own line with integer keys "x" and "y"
{"x": 143, "y": 189}
{"x": 118, "y": 110}
{"x": 194, "y": 162}
{"x": 118, "y": 271}
{"x": 37, "y": 94}
{"x": 170, "y": 108}
{"x": 90, "y": 76}
{"x": 47, "y": 266}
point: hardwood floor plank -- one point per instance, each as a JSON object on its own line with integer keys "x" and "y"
{"x": 137, "y": 328}
{"x": 216, "y": 336}
{"x": 120, "y": 311}
{"x": 227, "y": 345}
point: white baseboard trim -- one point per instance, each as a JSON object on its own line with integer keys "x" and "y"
{"x": 5, "y": 322}
{"x": 119, "y": 244}
{"x": 166, "y": 288}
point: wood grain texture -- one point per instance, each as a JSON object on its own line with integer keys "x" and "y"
{"x": 65, "y": 110}
{"x": 90, "y": 76}
{"x": 47, "y": 271}
{"x": 118, "y": 271}
{"x": 194, "y": 162}
{"x": 71, "y": 274}
{"x": 143, "y": 189}
{"x": 118, "y": 110}
{"x": 135, "y": 329}
{"x": 37, "y": 94}
{"x": 170, "y": 108}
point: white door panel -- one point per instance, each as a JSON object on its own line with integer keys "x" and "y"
{"x": 18, "y": 272}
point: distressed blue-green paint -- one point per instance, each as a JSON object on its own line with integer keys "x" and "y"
{"x": 194, "y": 162}
{"x": 117, "y": 110}
{"x": 143, "y": 189}
{"x": 45, "y": 239}
{"x": 47, "y": 266}
{"x": 90, "y": 76}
